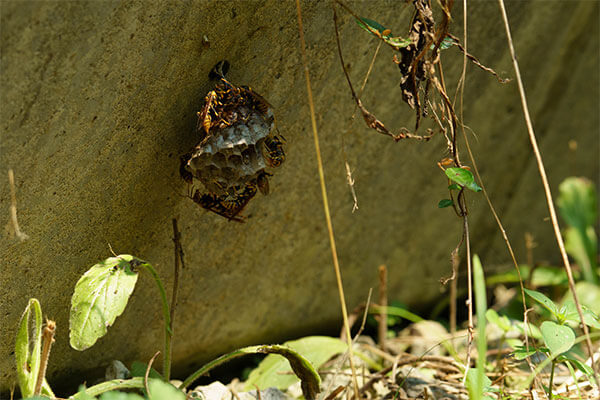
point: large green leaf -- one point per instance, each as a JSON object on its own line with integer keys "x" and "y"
{"x": 463, "y": 177}
{"x": 275, "y": 371}
{"x": 558, "y": 338}
{"x": 100, "y": 297}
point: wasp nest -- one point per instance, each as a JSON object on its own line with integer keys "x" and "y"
{"x": 238, "y": 144}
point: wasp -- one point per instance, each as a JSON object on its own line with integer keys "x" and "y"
{"x": 204, "y": 116}
{"x": 273, "y": 151}
{"x": 262, "y": 181}
{"x": 228, "y": 205}
{"x": 214, "y": 203}
{"x": 235, "y": 203}
{"x": 256, "y": 100}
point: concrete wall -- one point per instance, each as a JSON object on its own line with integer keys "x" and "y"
{"x": 99, "y": 99}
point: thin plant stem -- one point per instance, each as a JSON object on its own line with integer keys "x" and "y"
{"x": 167, "y": 316}
{"x": 336, "y": 265}
{"x": 349, "y": 178}
{"x": 470, "y": 293}
{"x": 383, "y": 302}
{"x": 147, "y": 374}
{"x": 178, "y": 252}
{"x": 549, "y": 201}
{"x": 455, "y": 259}
{"x": 115, "y": 384}
{"x": 551, "y": 379}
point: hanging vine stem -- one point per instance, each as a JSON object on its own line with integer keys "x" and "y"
{"x": 370, "y": 119}
{"x": 548, "y": 193}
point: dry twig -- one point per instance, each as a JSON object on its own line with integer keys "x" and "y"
{"x": 47, "y": 340}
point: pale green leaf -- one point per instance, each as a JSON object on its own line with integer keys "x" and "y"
{"x": 100, "y": 297}
{"x": 160, "y": 390}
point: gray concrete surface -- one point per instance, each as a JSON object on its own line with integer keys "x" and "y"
{"x": 99, "y": 99}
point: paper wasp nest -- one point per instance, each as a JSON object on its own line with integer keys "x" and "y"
{"x": 237, "y": 145}
{"x": 233, "y": 155}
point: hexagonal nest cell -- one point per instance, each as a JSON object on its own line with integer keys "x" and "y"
{"x": 236, "y": 126}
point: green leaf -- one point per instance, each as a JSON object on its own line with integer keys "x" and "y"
{"x": 100, "y": 297}
{"x": 376, "y": 29}
{"x": 124, "y": 396}
{"x": 273, "y": 371}
{"x": 446, "y": 44}
{"x": 558, "y": 338}
{"x": 108, "y": 386}
{"x": 160, "y": 390}
{"x": 578, "y": 206}
{"x": 82, "y": 394}
{"x": 309, "y": 378}
{"x": 500, "y": 321}
{"x": 582, "y": 245}
{"x": 586, "y": 369}
{"x": 397, "y": 42}
{"x": 577, "y": 202}
{"x": 543, "y": 300}
{"x": 549, "y": 276}
{"x": 588, "y": 295}
{"x": 454, "y": 186}
{"x": 532, "y": 330}
{"x": 28, "y": 363}
{"x": 572, "y": 315}
{"x": 138, "y": 368}
{"x": 473, "y": 376}
{"x": 522, "y": 353}
{"x": 374, "y": 25}
{"x": 481, "y": 307}
{"x": 445, "y": 203}
{"x": 463, "y": 177}
{"x": 396, "y": 311}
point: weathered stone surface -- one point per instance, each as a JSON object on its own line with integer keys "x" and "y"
{"x": 99, "y": 99}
